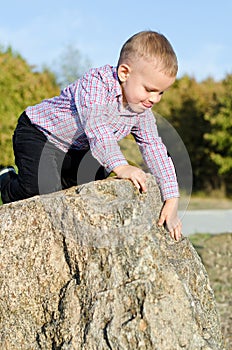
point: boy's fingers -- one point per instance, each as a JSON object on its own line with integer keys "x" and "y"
{"x": 135, "y": 182}
{"x": 177, "y": 232}
{"x": 161, "y": 220}
{"x": 142, "y": 182}
{"x": 140, "y": 185}
{"x": 143, "y": 187}
{"x": 172, "y": 234}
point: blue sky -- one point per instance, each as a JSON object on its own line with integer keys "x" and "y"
{"x": 200, "y": 31}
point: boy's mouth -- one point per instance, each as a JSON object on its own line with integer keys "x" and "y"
{"x": 147, "y": 105}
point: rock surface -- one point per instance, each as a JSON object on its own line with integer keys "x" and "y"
{"x": 88, "y": 268}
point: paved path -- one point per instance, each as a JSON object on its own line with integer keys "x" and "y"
{"x": 206, "y": 221}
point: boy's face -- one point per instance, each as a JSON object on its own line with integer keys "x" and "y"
{"x": 142, "y": 84}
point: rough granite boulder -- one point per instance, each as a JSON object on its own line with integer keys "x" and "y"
{"x": 87, "y": 268}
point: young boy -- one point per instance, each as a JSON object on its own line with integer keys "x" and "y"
{"x": 95, "y": 112}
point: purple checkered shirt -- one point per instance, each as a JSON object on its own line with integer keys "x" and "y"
{"x": 90, "y": 114}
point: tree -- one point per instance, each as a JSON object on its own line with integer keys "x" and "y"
{"x": 20, "y": 86}
{"x": 185, "y": 106}
{"x": 71, "y": 65}
{"x": 220, "y": 136}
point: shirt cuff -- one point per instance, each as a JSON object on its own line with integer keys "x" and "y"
{"x": 113, "y": 163}
{"x": 169, "y": 190}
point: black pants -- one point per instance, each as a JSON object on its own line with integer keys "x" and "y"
{"x": 43, "y": 168}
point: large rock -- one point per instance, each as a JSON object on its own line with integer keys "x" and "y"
{"x": 88, "y": 268}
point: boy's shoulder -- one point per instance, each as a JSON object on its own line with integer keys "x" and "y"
{"x": 106, "y": 73}
{"x": 102, "y": 77}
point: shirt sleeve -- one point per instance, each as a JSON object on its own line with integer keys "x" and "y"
{"x": 155, "y": 155}
{"x": 92, "y": 103}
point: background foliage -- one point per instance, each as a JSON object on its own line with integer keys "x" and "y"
{"x": 20, "y": 86}
{"x": 201, "y": 112}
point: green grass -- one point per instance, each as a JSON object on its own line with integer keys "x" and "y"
{"x": 198, "y": 240}
{"x": 197, "y": 203}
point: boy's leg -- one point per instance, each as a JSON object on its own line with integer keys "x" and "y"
{"x": 80, "y": 167}
{"x": 43, "y": 168}
{"x": 37, "y": 165}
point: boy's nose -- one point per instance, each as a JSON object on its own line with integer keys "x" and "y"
{"x": 154, "y": 98}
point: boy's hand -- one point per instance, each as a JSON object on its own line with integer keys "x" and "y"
{"x": 169, "y": 217}
{"x": 136, "y": 175}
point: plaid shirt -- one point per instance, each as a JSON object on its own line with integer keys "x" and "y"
{"x": 89, "y": 114}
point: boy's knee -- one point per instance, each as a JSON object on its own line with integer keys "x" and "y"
{"x": 24, "y": 191}
{"x": 29, "y": 191}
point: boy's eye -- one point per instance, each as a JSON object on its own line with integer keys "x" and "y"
{"x": 151, "y": 90}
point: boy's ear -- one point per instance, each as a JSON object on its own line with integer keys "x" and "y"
{"x": 123, "y": 72}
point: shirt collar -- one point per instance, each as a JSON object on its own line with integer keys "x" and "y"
{"x": 118, "y": 94}
{"x": 117, "y": 89}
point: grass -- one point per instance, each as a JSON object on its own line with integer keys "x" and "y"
{"x": 198, "y": 203}
{"x": 198, "y": 239}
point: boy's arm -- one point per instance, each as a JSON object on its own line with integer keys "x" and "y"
{"x": 102, "y": 141}
{"x": 161, "y": 166}
{"x": 155, "y": 155}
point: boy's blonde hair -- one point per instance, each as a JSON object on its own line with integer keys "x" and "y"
{"x": 150, "y": 45}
